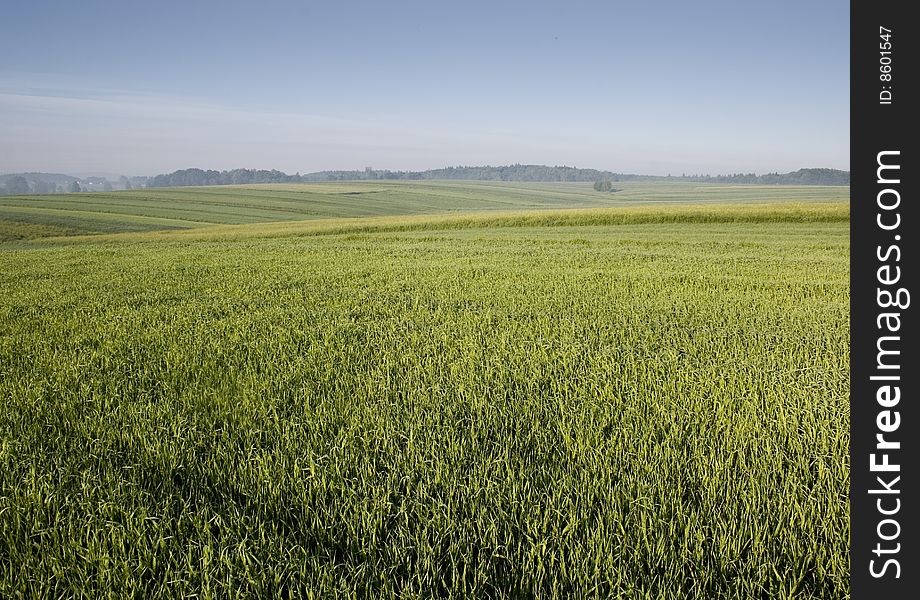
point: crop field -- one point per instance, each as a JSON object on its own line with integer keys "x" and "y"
{"x": 644, "y": 396}
{"x": 25, "y": 217}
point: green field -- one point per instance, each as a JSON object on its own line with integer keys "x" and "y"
{"x": 638, "y": 395}
{"x": 24, "y": 217}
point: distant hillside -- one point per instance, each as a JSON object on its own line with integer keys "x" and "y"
{"x": 59, "y": 183}
{"x": 800, "y": 177}
{"x": 49, "y": 183}
{"x": 545, "y": 173}
{"x": 26, "y": 217}
{"x": 486, "y": 173}
{"x": 210, "y": 177}
{"x": 186, "y": 177}
{"x": 55, "y": 178}
{"x": 35, "y": 183}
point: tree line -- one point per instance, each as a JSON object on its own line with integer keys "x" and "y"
{"x": 57, "y": 183}
{"x": 185, "y": 177}
{"x": 515, "y": 172}
{"x": 800, "y": 177}
{"x": 50, "y": 183}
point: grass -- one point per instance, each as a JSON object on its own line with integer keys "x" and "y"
{"x": 26, "y": 217}
{"x": 640, "y": 402}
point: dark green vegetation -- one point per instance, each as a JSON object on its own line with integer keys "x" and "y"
{"x": 38, "y": 183}
{"x": 633, "y": 402}
{"x": 25, "y": 217}
{"x": 51, "y": 183}
{"x": 604, "y": 185}
{"x": 55, "y": 183}
{"x": 518, "y": 173}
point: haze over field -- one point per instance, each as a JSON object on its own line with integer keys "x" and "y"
{"x": 669, "y": 87}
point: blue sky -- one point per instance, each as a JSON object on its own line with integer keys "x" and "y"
{"x": 643, "y": 87}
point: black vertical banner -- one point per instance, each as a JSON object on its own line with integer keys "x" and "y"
{"x": 884, "y": 366}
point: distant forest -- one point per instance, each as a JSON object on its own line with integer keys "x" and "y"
{"x": 56, "y": 183}
{"x": 59, "y": 183}
{"x": 507, "y": 173}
